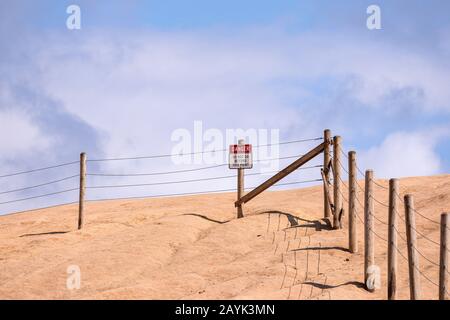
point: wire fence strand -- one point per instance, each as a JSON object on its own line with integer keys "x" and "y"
{"x": 186, "y": 181}
{"x": 198, "y": 152}
{"x": 41, "y": 208}
{"x": 201, "y": 192}
{"x": 138, "y": 174}
{"x": 421, "y": 234}
{"x": 418, "y": 212}
{"x": 40, "y": 196}
{"x": 154, "y": 173}
{"x": 39, "y": 169}
{"x": 41, "y": 185}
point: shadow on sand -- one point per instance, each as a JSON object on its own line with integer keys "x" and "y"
{"x": 43, "y": 233}
{"x": 204, "y": 217}
{"x": 322, "y": 248}
{"x": 326, "y": 286}
{"x": 318, "y": 225}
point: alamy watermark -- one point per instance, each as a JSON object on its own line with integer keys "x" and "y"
{"x": 373, "y": 281}
{"x": 374, "y": 20}
{"x": 210, "y": 146}
{"x": 73, "y": 21}
{"x": 73, "y": 281}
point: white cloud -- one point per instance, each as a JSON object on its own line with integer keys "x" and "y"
{"x": 126, "y": 87}
{"x": 404, "y": 154}
{"x": 21, "y": 137}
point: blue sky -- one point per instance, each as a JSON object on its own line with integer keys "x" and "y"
{"x": 139, "y": 70}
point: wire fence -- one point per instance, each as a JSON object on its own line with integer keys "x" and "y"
{"x": 385, "y": 206}
{"x": 41, "y": 185}
{"x": 20, "y": 194}
{"x": 39, "y": 169}
{"x": 204, "y": 192}
{"x": 178, "y": 180}
{"x": 199, "y": 152}
{"x": 160, "y": 173}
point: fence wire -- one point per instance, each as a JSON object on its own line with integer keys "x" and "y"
{"x": 138, "y": 174}
{"x": 39, "y": 196}
{"x": 160, "y": 173}
{"x": 198, "y": 152}
{"x": 41, "y": 185}
{"x": 202, "y": 192}
{"x": 189, "y": 180}
{"x": 39, "y": 169}
{"x": 41, "y": 208}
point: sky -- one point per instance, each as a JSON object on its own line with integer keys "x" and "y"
{"x": 139, "y": 72}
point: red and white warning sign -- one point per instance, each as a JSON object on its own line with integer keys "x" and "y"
{"x": 240, "y": 156}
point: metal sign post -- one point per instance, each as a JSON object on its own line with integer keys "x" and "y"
{"x": 240, "y": 158}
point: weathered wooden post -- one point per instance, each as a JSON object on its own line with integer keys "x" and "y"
{"x": 352, "y": 187}
{"x": 240, "y": 186}
{"x": 326, "y": 163}
{"x": 392, "y": 240}
{"x": 369, "y": 251}
{"x": 338, "y": 211}
{"x": 82, "y": 190}
{"x": 443, "y": 266}
{"x": 413, "y": 258}
{"x": 327, "y": 189}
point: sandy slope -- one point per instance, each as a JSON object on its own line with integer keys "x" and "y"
{"x": 194, "y": 248}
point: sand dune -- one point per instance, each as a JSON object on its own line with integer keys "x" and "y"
{"x": 193, "y": 248}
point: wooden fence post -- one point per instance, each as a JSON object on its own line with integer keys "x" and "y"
{"x": 326, "y": 163}
{"x": 240, "y": 186}
{"x": 369, "y": 252}
{"x": 338, "y": 210}
{"x": 413, "y": 258}
{"x": 82, "y": 190}
{"x": 445, "y": 246}
{"x": 392, "y": 240}
{"x": 352, "y": 176}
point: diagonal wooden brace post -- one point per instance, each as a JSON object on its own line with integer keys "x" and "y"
{"x": 280, "y": 175}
